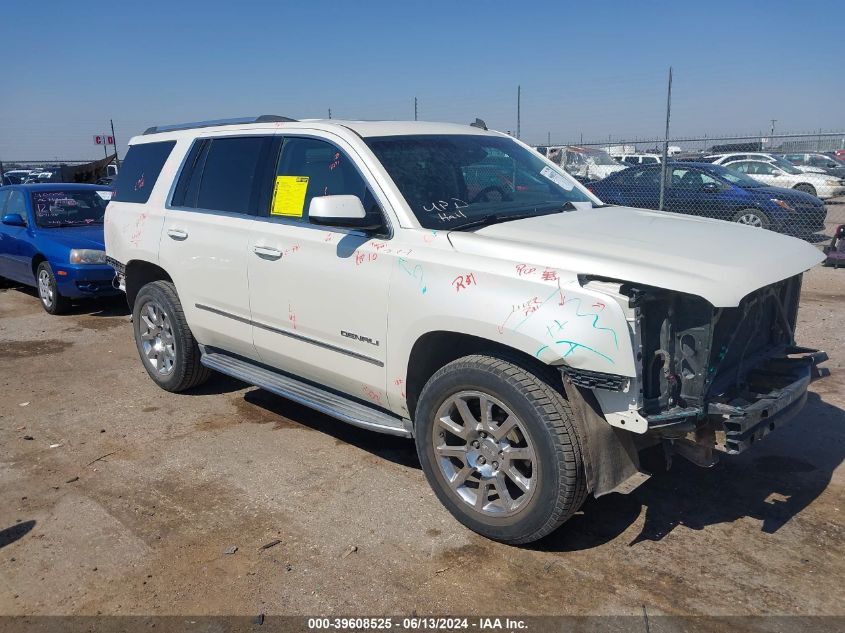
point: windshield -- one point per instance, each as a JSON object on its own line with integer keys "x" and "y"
{"x": 786, "y": 166}
{"x": 599, "y": 157}
{"x": 453, "y": 180}
{"x": 734, "y": 177}
{"x": 69, "y": 208}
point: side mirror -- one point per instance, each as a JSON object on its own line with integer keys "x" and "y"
{"x": 710, "y": 187}
{"x": 13, "y": 219}
{"x": 344, "y": 211}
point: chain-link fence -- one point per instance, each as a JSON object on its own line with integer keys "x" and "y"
{"x": 790, "y": 183}
{"x": 15, "y": 172}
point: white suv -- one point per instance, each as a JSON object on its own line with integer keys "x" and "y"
{"x": 447, "y": 283}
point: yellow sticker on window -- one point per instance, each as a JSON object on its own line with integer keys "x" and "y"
{"x": 289, "y": 196}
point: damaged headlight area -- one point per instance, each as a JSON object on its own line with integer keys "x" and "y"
{"x": 719, "y": 379}
{"x": 87, "y": 256}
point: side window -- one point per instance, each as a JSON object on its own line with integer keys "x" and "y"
{"x": 309, "y": 168}
{"x": 740, "y": 167}
{"x": 4, "y": 195}
{"x": 140, "y": 170}
{"x": 16, "y": 204}
{"x": 232, "y": 174}
{"x": 764, "y": 169}
{"x": 187, "y": 187}
{"x": 649, "y": 160}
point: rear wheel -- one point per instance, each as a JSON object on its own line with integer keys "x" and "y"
{"x": 165, "y": 343}
{"x": 806, "y": 188}
{"x": 48, "y": 291}
{"x": 498, "y": 446}
{"x": 752, "y": 217}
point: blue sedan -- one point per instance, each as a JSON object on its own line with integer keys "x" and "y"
{"x": 714, "y": 191}
{"x": 51, "y": 237}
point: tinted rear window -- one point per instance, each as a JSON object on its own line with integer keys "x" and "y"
{"x": 140, "y": 170}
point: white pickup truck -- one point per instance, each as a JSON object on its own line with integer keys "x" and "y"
{"x": 447, "y": 283}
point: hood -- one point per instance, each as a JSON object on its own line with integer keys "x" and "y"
{"x": 719, "y": 261}
{"x": 89, "y": 236}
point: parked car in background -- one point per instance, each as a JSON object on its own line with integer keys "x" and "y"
{"x": 820, "y": 185}
{"x": 714, "y": 191}
{"x": 585, "y": 163}
{"x": 775, "y": 159}
{"x": 831, "y": 165}
{"x": 51, "y": 237}
{"x": 637, "y": 159}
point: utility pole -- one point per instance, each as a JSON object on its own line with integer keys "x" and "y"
{"x": 548, "y": 138}
{"x": 773, "y": 126}
{"x": 666, "y": 143}
{"x": 330, "y": 113}
{"x": 114, "y": 142}
{"x": 518, "y": 105}
{"x": 415, "y": 108}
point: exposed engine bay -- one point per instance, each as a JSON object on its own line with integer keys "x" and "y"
{"x": 718, "y": 379}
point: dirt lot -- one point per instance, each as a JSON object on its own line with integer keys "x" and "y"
{"x": 119, "y": 498}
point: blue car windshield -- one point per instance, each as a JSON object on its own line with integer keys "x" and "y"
{"x": 455, "y": 180}
{"x": 69, "y": 208}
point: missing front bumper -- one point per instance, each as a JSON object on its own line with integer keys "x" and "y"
{"x": 775, "y": 393}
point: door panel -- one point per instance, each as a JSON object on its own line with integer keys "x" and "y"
{"x": 317, "y": 307}
{"x": 15, "y": 255}
{"x": 319, "y": 294}
{"x": 206, "y": 255}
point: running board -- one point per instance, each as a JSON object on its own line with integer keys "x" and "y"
{"x": 327, "y": 402}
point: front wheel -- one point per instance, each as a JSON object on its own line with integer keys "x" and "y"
{"x": 752, "y": 217}
{"x": 48, "y": 291}
{"x": 498, "y": 446}
{"x": 165, "y": 343}
{"x": 806, "y": 188}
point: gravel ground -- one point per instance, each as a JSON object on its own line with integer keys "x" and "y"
{"x": 119, "y": 498}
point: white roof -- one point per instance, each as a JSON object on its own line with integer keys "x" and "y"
{"x": 362, "y": 128}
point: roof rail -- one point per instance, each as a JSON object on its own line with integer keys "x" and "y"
{"x": 264, "y": 118}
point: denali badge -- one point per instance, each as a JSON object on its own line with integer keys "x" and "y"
{"x": 365, "y": 339}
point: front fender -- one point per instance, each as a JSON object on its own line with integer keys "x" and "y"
{"x": 542, "y": 312}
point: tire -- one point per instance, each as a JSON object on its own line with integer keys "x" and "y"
{"x": 806, "y": 188}
{"x": 543, "y": 444}
{"x": 48, "y": 290}
{"x": 752, "y": 217}
{"x": 168, "y": 349}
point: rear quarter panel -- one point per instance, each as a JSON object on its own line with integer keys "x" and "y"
{"x": 133, "y": 230}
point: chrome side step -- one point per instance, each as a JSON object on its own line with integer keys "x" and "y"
{"x": 327, "y": 402}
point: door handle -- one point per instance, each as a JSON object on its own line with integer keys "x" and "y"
{"x": 177, "y": 234}
{"x": 267, "y": 252}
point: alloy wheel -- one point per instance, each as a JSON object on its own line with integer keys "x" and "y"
{"x": 751, "y": 219}
{"x": 157, "y": 340}
{"x": 45, "y": 288}
{"x": 484, "y": 453}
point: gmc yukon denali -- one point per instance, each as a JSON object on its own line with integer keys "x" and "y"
{"x": 448, "y": 284}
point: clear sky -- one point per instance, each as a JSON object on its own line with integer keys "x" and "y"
{"x": 585, "y": 67}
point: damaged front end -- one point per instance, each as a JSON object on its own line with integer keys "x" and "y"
{"x": 719, "y": 379}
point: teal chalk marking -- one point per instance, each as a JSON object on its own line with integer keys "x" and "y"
{"x": 572, "y": 347}
{"x": 413, "y": 273}
{"x": 577, "y": 313}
